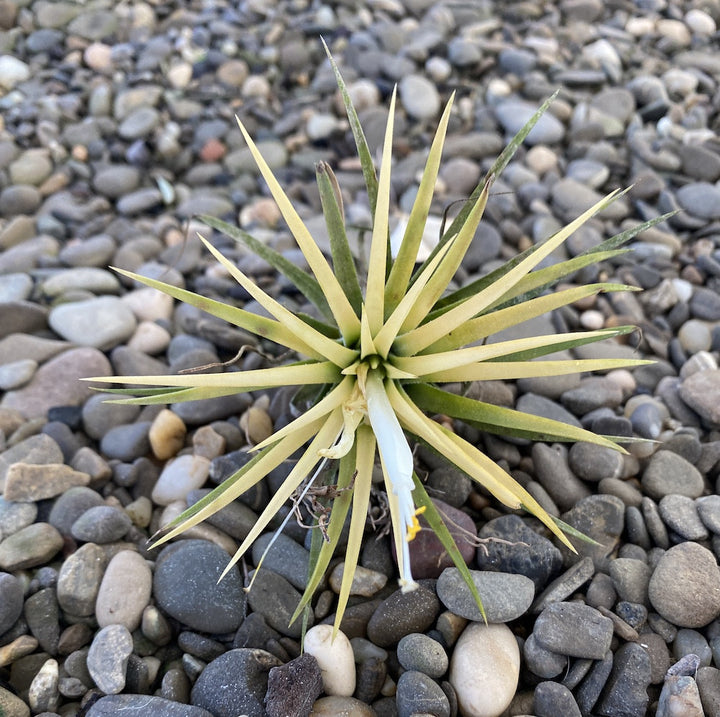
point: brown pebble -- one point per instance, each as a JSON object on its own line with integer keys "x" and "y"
{"x": 167, "y": 435}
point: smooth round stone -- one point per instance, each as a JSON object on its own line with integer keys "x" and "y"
{"x": 11, "y": 705}
{"x": 484, "y": 669}
{"x": 419, "y": 694}
{"x": 541, "y": 662}
{"x": 401, "y": 614}
{"x": 186, "y": 587}
{"x": 89, "y": 278}
{"x": 505, "y": 596}
{"x": 124, "y": 592}
{"x": 574, "y": 629}
{"x": 15, "y": 516}
{"x": 56, "y": 382}
{"x": 700, "y": 199}
{"x": 99, "y": 416}
{"x": 69, "y": 506}
{"x": 142, "y": 706}
{"x": 669, "y": 473}
{"x": 167, "y": 435}
{"x": 276, "y": 600}
{"x": 284, "y": 557}
{"x": 680, "y": 515}
{"x": 364, "y": 582}
{"x": 35, "y": 545}
{"x": 179, "y": 477}
{"x": 12, "y": 71}
{"x": 422, "y": 653}
{"x": 16, "y": 374}
{"x": 108, "y": 657}
{"x": 695, "y": 336}
{"x": 15, "y": 287}
{"x": 708, "y": 508}
{"x": 101, "y": 323}
{"x": 11, "y": 601}
{"x": 114, "y": 181}
{"x": 646, "y": 420}
{"x": 514, "y": 114}
{"x": 235, "y": 683}
{"x": 341, "y": 707}
{"x": 552, "y": 699}
{"x": 79, "y": 580}
{"x": 43, "y": 618}
{"x": 701, "y": 391}
{"x": 591, "y": 462}
{"x": 419, "y": 96}
{"x": 630, "y": 579}
{"x": 126, "y": 442}
{"x": 685, "y": 586}
{"x": 101, "y": 524}
{"x": 335, "y": 658}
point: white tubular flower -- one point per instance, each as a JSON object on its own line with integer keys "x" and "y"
{"x": 397, "y": 462}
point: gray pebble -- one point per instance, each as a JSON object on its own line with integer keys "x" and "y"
{"x": 101, "y": 524}
{"x": 593, "y": 463}
{"x": 34, "y": 545}
{"x": 668, "y": 473}
{"x": 419, "y": 694}
{"x": 108, "y": 658}
{"x": 505, "y": 596}
{"x": 286, "y": 558}
{"x": 235, "y": 683}
{"x": 552, "y": 699}
{"x": 541, "y": 661}
{"x": 685, "y": 586}
{"x": 680, "y": 515}
{"x": 422, "y": 653}
{"x": 11, "y": 601}
{"x": 626, "y": 688}
{"x": 574, "y": 629}
{"x": 273, "y": 597}
{"x": 195, "y": 597}
{"x": 141, "y": 705}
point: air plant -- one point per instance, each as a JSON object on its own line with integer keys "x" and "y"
{"x": 378, "y": 357}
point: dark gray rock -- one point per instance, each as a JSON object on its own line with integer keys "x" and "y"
{"x": 235, "y": 683}
{"x": 186, "y": 587}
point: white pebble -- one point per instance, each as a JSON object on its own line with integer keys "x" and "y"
{"x": 700, "y": 22}
{"x": 683, "y": 289}
{"x": 592, "y": 319}
{"x": 149, "y": 338}
{"x": 179, "y": 477}
{"x": 335, "y": 657}
{"x": 484, "y": 669}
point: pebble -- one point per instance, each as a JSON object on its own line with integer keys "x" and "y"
{"x": 513, "y": 114}
{"x": 334, "y": 655}
{"x": 626, "y": 687}
{"x": 574, "y": 629}
{"x": 139, "y": 705}
{"x": 422, "y": 653}
{"x": 505, "y": 596}
{"x": 108, "y": 657}
{"x": 672, "y": 590}
{"x": 419, "y": 694}
{"x": 197, "y": 599}
{"x": 124, "y": 591}
{"x": 235, "y": 683}
{"x": 401, "y": 614}
{"x": 484, "y": 669}
{"x": 179, "y": 477}
{"x": 701, "y": 391}
{"x": 103, "y": 322}
{"x": 668, "y": 473}
{"x": 32, "y": 546}
{"x": 166, "y": 435}
{"x": 11, "y": 601}
{"x": 285, "y": 557}
{"x": 79, "y": 580}
{"x": 101, "y": 524}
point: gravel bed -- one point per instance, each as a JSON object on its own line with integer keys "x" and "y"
{"x": 118, "y": 129}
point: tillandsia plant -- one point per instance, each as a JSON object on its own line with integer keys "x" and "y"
{"x": 379, "y": 355}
